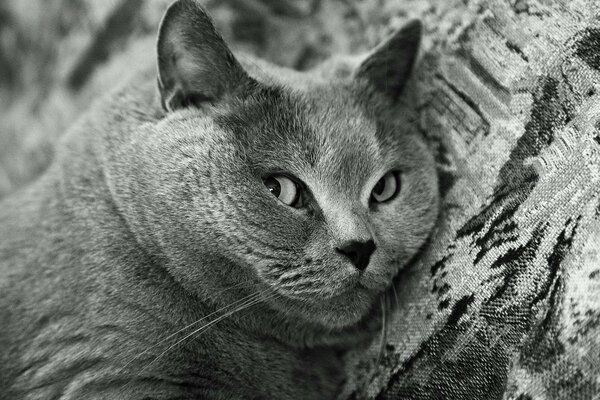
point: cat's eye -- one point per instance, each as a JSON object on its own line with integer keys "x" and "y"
{"x": 386, "y": 188}
{"x": 285, "y": 189}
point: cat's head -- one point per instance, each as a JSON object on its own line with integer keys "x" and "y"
{"x": 311, "y": 186}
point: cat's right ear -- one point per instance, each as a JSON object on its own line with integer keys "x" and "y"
{"x": 195, "y": 66}
{"x": 388, "y": 67}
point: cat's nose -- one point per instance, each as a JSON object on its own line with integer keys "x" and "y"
{"x": 357, "y": 252}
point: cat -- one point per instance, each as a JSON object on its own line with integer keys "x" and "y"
{"x": 229, "y": 234}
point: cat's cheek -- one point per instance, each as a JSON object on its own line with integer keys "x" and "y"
{"x": 381, "y": 270}
{"x": 405, "y": 226}
{"x": 398, "y": 243}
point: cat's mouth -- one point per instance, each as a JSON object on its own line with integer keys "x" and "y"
{"x": 335, "y": 296}
{"x": 346, "y": 286}
{"x": 376, "y": 283}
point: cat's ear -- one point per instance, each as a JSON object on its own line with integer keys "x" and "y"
{"x": 195, "y": 66}
{"x": 389, "y": 65}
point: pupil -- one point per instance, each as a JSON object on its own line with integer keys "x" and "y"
{"x": 378, "y": 189}
{"x": 273, "y": 186}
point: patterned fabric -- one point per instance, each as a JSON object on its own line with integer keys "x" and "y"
{"x": 504, "y": 302}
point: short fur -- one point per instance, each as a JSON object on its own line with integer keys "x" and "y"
{"x": 154, "y": 215}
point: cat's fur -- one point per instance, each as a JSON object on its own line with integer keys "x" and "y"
{"x": 154, "y": 215}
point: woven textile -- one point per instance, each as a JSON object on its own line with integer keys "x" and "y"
{"x": 505, "y": 304}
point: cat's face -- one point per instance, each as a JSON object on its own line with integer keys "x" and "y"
{"x": 324, "y": 202}
{"x": 308, "y": 188}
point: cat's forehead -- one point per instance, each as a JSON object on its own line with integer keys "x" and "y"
{"x": 351, "y": 147}
{"x": 319, "y": 131}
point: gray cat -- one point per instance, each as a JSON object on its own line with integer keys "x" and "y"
{"x": 229, "y": 235}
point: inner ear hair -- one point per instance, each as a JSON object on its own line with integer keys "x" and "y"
{"x": 181, "y": 99}
{"x": 195, "y": 66}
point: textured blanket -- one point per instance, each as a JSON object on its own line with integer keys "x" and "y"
{"x": 504, "y": 302}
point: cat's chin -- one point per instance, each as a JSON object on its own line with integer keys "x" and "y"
{"x": 338, "y": 312}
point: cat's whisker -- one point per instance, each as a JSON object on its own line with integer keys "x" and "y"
{"x": 395, "y": 295}
{"x": 235, "y": 286}
{"x": 194, "y": 323}
{"x": 248, "y": 301}
{"x": 383, "y": 340}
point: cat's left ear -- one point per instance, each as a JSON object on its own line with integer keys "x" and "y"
{"x": 195, "y": 66}
{"x": 389, "y": 65}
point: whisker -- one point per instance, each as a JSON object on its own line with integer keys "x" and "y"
{"x": 383, "y": 341}
{"x": 249, "y": 301}
{"x": 193, "y": 323}
{"x": 395, "y": 296}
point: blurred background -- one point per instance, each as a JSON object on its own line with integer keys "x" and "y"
{"x": 57, "y": 56}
